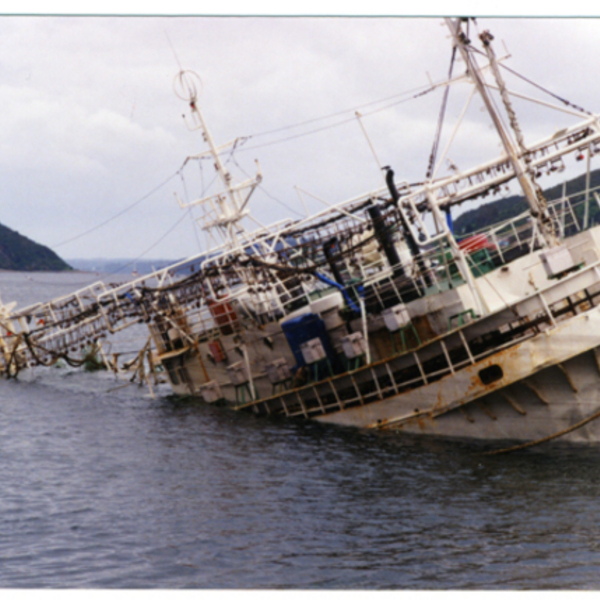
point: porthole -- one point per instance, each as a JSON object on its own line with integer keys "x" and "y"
{"x": 491, "y": 374}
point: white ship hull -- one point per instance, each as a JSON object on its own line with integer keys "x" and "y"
{"x": 551, "y": 383}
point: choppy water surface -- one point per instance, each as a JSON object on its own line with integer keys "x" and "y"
{"x": 104, "y": 486}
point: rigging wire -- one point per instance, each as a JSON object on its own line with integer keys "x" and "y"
{"x": 244, "y": 139}
{"x": 299, "y": 135}
{"x": 128, "y": 208}
{"x": 418, "y": 90}
{"x": 537, "y": 85}
{"x": 555, "y": 96}
{"x": 438, "y": 134}
{"x": 265, "y": 191}
{"x": 403, "y": 99}
{"x": 342, "y": 122}
{"x": 301, "y": 215}
{"x": 132, "y": 262}
{"x": 165, "y": 234}
{"x": 173, "y": 49}
{"x": 189, "y": 210}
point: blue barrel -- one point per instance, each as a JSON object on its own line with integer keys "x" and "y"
{"x": 304, "y": 328}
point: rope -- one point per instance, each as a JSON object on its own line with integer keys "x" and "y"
{"x": 284, "y": 268}
{"x": 12, "y": 358}
{"x": 545, "y": 439}
{"x": 56, "y": 356}
{"x": 142, "y": 306}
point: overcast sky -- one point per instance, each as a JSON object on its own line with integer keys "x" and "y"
{"x": 90, "y": 123}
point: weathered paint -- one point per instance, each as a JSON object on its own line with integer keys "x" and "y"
{"x": 555, "y": 346}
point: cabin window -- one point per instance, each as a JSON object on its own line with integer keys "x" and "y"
{"x": 491, "y": 374}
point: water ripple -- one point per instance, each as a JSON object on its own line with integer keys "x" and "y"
{"x": 105, "y": 488}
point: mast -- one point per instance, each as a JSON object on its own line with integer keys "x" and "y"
{"x": 224, "y": 210}
{"x": 517, "y": 154}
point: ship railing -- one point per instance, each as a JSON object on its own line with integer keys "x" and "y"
{"x": 564, "y": 210}
{"x": 68, "y": 322}
{"x": 379, "y": 380}
{"x": 445, "y": 273}
{"x": 60, "y": 310}
{"x": 71, "y": 322}
{"x": 125, "y": 305}
{"x": 122, "y": 306}
{"x": 428, "y": 362}
{"x": 506, "y": 241}
{"x": 493, "y": 246}
{"x": 70, "y": 339}
{"x": 436, "y": 269}
{"x": 465, "y": 185}
{"x": 46, "y": 344}
{"x": 210, "y": 319}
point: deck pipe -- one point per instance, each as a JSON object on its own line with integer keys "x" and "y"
{"x": 408, "y": 235}
{"x": 384, "y": 238}
{"x": 410, "y": 240}
{"x": 328, "y": 248}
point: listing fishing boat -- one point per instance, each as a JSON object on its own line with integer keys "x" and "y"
{"x": 372, "y": 313}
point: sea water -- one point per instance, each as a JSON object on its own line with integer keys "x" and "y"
{"x": 104, "y": 486}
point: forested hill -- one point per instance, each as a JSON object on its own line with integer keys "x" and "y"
{"x": 18, "y": 253}
{"x": 506, "y": 208}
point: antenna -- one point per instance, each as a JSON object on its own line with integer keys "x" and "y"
{"x": 187, "y": 86}
{"x": 173, "y": 49}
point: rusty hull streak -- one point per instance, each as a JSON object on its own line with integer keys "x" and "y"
{"x": 421, "y": 423}
{"x": 419, "y": 417}
{"x": 504, "y": 358}
{"x": 514, "y": 404}
{"x": 334, "y": 378}
{"x": 477, "y": 388}
{"x": 568, "y": 378}
{"x": 504, "y": 355}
